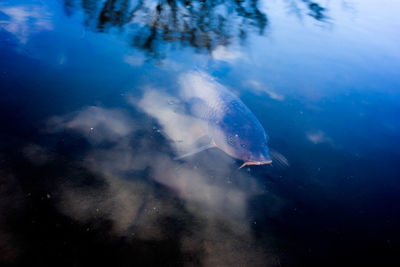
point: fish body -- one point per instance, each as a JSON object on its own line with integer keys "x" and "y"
{"x": 232, "y": 126}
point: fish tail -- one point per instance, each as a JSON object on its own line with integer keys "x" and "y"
{"x": 279, "y": 160}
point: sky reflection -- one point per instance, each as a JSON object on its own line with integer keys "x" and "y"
{"x": 93, "y": 113}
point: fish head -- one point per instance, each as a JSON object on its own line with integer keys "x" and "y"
{"x": 242, "y": 141}
{"x": 252, "y": 152}
{"x": 257, "y": 154}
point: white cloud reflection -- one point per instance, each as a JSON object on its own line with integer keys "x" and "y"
{"x": 259, "y": 88}
{"x": 222, "y": 53}
{"x": 318, "y": 137}
{"x": 26, "y": 20}
{"x": 95, "y": 123}
{"x": 183, "y": 130}
{"x": 134, "y": 60}
{"x": 211, "y": 190}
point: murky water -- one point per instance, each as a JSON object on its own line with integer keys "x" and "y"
{"x": 92, "y": 119}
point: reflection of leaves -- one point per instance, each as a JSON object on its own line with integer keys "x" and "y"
{"x": 69, "y": 7}
{"x": 311, "y": 8}
{"x": 316, "y": 11}
{"x": 202, "y": 24}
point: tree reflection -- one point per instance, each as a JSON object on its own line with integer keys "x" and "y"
{"x": 202, "y": 24}
{"x": 313, "y": 9}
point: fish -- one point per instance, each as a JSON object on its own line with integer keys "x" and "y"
{"x": 232, "y": 126}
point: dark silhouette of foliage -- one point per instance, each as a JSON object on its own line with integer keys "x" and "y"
{"x": 202, "y": 24}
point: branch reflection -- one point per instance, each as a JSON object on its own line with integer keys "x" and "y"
{"x": 201, "y": 24}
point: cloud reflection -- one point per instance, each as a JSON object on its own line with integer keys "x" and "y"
{"x": 183, "y": 130}
{"x": 24, "y": 21}
{"x": 259, "y": 88}
{"x": 95, "y": 123}
{"x": 134, "y": 60}
{"x": 223, "y": 54}
{"x": 318, "y": 137}
{"x": 210, "y": 191}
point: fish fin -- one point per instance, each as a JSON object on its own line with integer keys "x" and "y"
{"x": 203, "y": 140}
{"x": 213, "y": 143}
{"x": 243, "y": 165}
{"x": 278, "y": 159}
{"x": 195, "y": 151}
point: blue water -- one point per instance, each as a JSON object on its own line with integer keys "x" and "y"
{"x": 91, "y": 121}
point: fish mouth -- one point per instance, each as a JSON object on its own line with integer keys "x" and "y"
{"x": 256, "y": 163}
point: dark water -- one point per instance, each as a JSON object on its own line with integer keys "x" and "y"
{"x": 90, "y": 123}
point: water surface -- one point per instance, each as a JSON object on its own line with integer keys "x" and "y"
{"x": 91, "y": 121}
